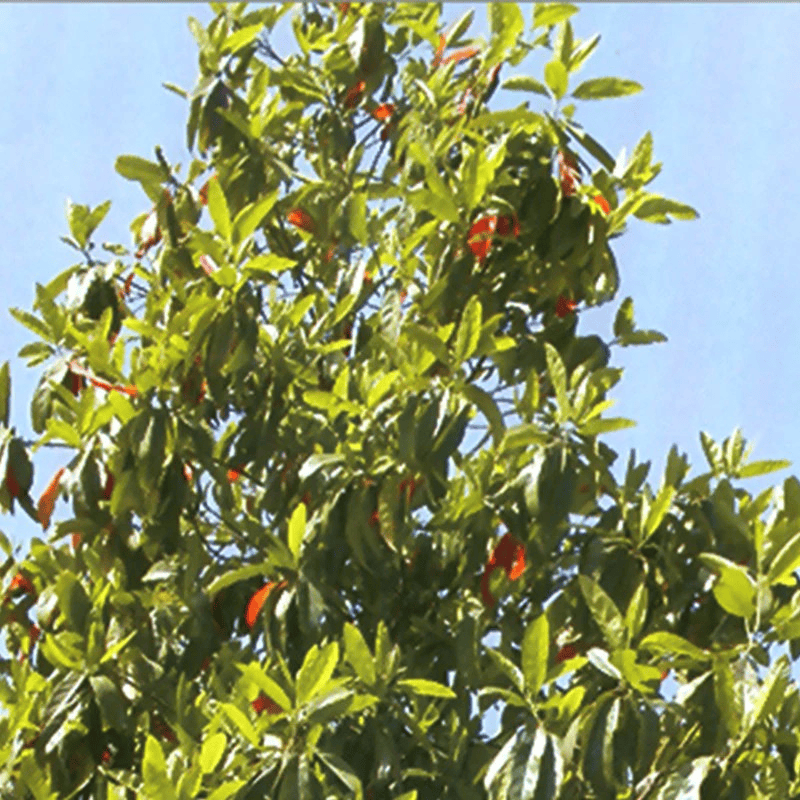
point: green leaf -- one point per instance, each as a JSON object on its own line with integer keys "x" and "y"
{"x": 212, "y": 751}
{"x": 34, "y": 778}
{"x": 558, "y": 377}
{"x": 658, "y": 209}
{"x": 297, "y": 529}
{"x": 249, "y": 218}
{"x": 582, "y": 52}
{"x": 241, "y": 38}
{"x": 344, "y": 772}
{"x": 110, "y": 702}
{"x": 636, "y": 614}
{"x": 315, "y": 462}
{"x": 357, "y": 653}
{"x": 786, "y": 561}
{"x": 762, "y": 468}
{"x": 672, "y": 644}
{"x": 712, "y": 452}
{"x": 623, "y": 322}
{"x": 547, "y": 14}
{"x": 525, "y": 83}
{"x": 316, "y": 671}
{"x": 488, "y": 407}
{"x": 267, "y": 264}
{"x": 640, "y": 338}
{"x": 425, "y": 688}
{"x": 592, "y": 146}
{"x": 5, "y": 393}
{"x": 523, "y": 436}
{"x": 658, "y": 509}
{"x": 72, "y": 600}
{"x": 31, "y": 322}
{"x": 139, "y": 169}
{"x": 604, "y": 610}
{"x": 469, "y": 331}
{"x": 599, "y": 88}
{"x": 506, "y": 24}
{"x": 254, "y": 673}
{"x": 357, "y": 216}
{"x": 236, "y": 576}
{"x": 176, "y": 89}
{"x": 240, "y": 720}
{"x": 218, "y": 208}
{"x": 734, "y": 590}
{"x": 460, "y": 27}
{"x": 606, "y": 425}
{"x": 228, "y": 789}
{"x": 556, "y": 77}
{"x": 157, "y": 785}
{"x": 536, "y": 653}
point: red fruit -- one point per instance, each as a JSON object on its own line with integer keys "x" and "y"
{"x": 126, "y": 287}
{"x": 353, "y": 96}
{"x": 47, "y": 501}
{"x": 187, "y": 472}
{"x": 19, "y": 581}
{"x": 300, "y": 219}
{"x": 265, "y": 703}
{"x": 567, "y": 652}
{"x": 76, "y": 382}
{"x": 508, "y": 226}
{"x": 105, "y": 756}
{"x": 257, "y": 601}
{"x": 75, "y": 539}
{"x": 564, "y": 306}
{"x": 163, "y": 730}
{"x": 603, "y": 203}
{"x": 109, "y": 487}
{"x": 480, "y": 234}
{"x": 509, "y": 554}
{"x": 374, "y": 518}
{"x": 567, "y": 173}
{"x": 343, "y": 7}
{"x": 204, "y": 193}
{"x": 409, "y": 485}
{"x": 383, "y": 111}
{"x": 11, "y": 482}
{"x": 664, "y": 674}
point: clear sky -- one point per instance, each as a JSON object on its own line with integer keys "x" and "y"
{"x": 83, "y": 84}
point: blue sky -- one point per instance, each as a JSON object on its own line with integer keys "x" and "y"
{"x": 83, "y": 85}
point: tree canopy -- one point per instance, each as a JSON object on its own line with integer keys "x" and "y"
{"x": 342, "y": 520}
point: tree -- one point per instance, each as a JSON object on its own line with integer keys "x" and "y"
{"x": 338, "y": 481}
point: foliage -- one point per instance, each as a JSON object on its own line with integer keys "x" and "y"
{"x": 337, "y": 483}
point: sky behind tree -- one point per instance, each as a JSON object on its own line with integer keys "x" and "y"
{"x": 83, "y": 85}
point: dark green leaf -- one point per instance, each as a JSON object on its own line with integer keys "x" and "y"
{"x": 110, "y": 701}
{"x": 604, "y": 610}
